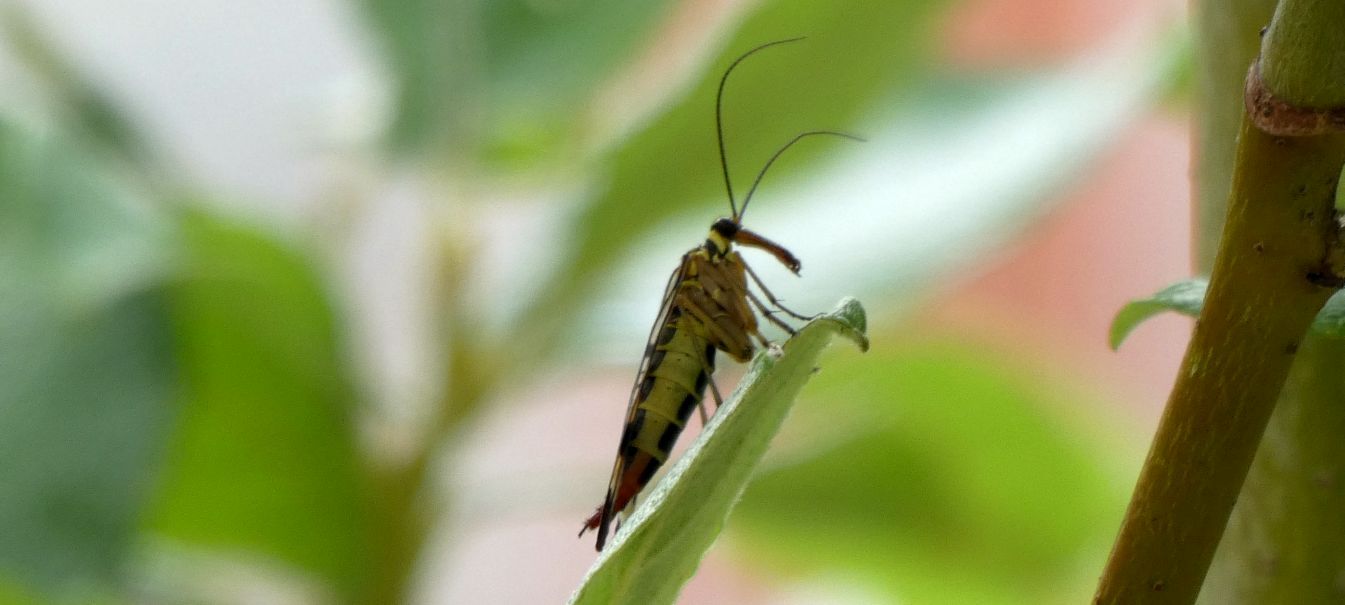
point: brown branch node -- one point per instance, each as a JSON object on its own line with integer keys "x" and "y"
{"x": 1278, "y": 117}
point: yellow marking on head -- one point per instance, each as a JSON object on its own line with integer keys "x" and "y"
{"x": 719, "y": 241}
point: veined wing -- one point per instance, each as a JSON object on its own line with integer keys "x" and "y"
{"x": 660, "y": 322}
{"x": 603, "y": 519}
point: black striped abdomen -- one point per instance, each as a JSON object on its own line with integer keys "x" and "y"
{"x": 672, "y": 388}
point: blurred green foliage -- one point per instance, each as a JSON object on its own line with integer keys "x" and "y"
{"x": 87, "y": 372}
{"x": 505, "y": 79}
{"x": 85, "y": 111}
{"x": 170, "y": 378}
{"x": 262, "y": 459}
{"x": 966, "y": 482}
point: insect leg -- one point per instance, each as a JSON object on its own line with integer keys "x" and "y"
{"x": 769, "y": 314}
{"x": 700, "y": 406}
{"x": 714, "y": 389}
{"x": 771, "y": 297}
{"x": 709, "y": 378}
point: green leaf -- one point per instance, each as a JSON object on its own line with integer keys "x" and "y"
{"x": 1185, "y": 297}
{"x": 512, "y": 74}
{"x": 1188, "y": 297}
{"x": 84, "y": 401}
{"x": 545, "y": 61}
{"x": 1330, "y": 321}
{"x": 1339, "y": 204}
{"x": 428, "y": 45}
{"x": 659, "y": 547}
{"x": 13, "y": 592}
{"x": 945, "y": 473}
{"x": 263, "y": 460}
{"x": 88, "y": 110}
{"x": 87, "y": 378}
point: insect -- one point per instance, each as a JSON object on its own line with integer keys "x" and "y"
{"x": 706, "y": 307}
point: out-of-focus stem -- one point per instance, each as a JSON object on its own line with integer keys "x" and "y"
{"x": 1227, "y": 40}
{"x": 1284, "y": 541}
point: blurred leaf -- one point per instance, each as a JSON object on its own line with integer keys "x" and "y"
{"x": 659, "y": 547}
{"x": 545, "y": 60}
{"x": 1184, "y": 297}
{"x": 1188, "y": 297}
{"x": 263, "y": 459}
{"x": 1179, "y": 88}
{"x": 84, "y": 399}
{"x": 429, "y": 47}
{"x": 13, "y": 593}
{"x": 86, "y": 108}
{"x": 965, "y": 484}
{"x": 514, "y": 73}
{"x": 86, "y": 371}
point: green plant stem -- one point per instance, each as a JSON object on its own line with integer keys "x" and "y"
{"x": 1280, "y": 227}
{"x": 401, "y": 522}
{"x": 404, "y": 502}
{"x": 1303, "y": 57}
{"x": 1283, "y": 541}
{"x": 1259, "y": 305}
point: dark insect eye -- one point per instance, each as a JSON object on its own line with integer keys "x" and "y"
{"x": 725, "y": 227}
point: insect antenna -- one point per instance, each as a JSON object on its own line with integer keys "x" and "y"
{"x": 719, "y": 121}
{"x": 739, "y": 215}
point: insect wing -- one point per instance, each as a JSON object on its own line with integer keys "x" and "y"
{"x": 614, "y": 484}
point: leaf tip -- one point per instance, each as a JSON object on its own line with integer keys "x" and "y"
{"x": 1185, "y": 297}
{"x": 852, "y": 321}
{"x": 1120, "y": 329}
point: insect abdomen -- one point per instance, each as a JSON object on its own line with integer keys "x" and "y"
{"x": 671, "y": 390}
